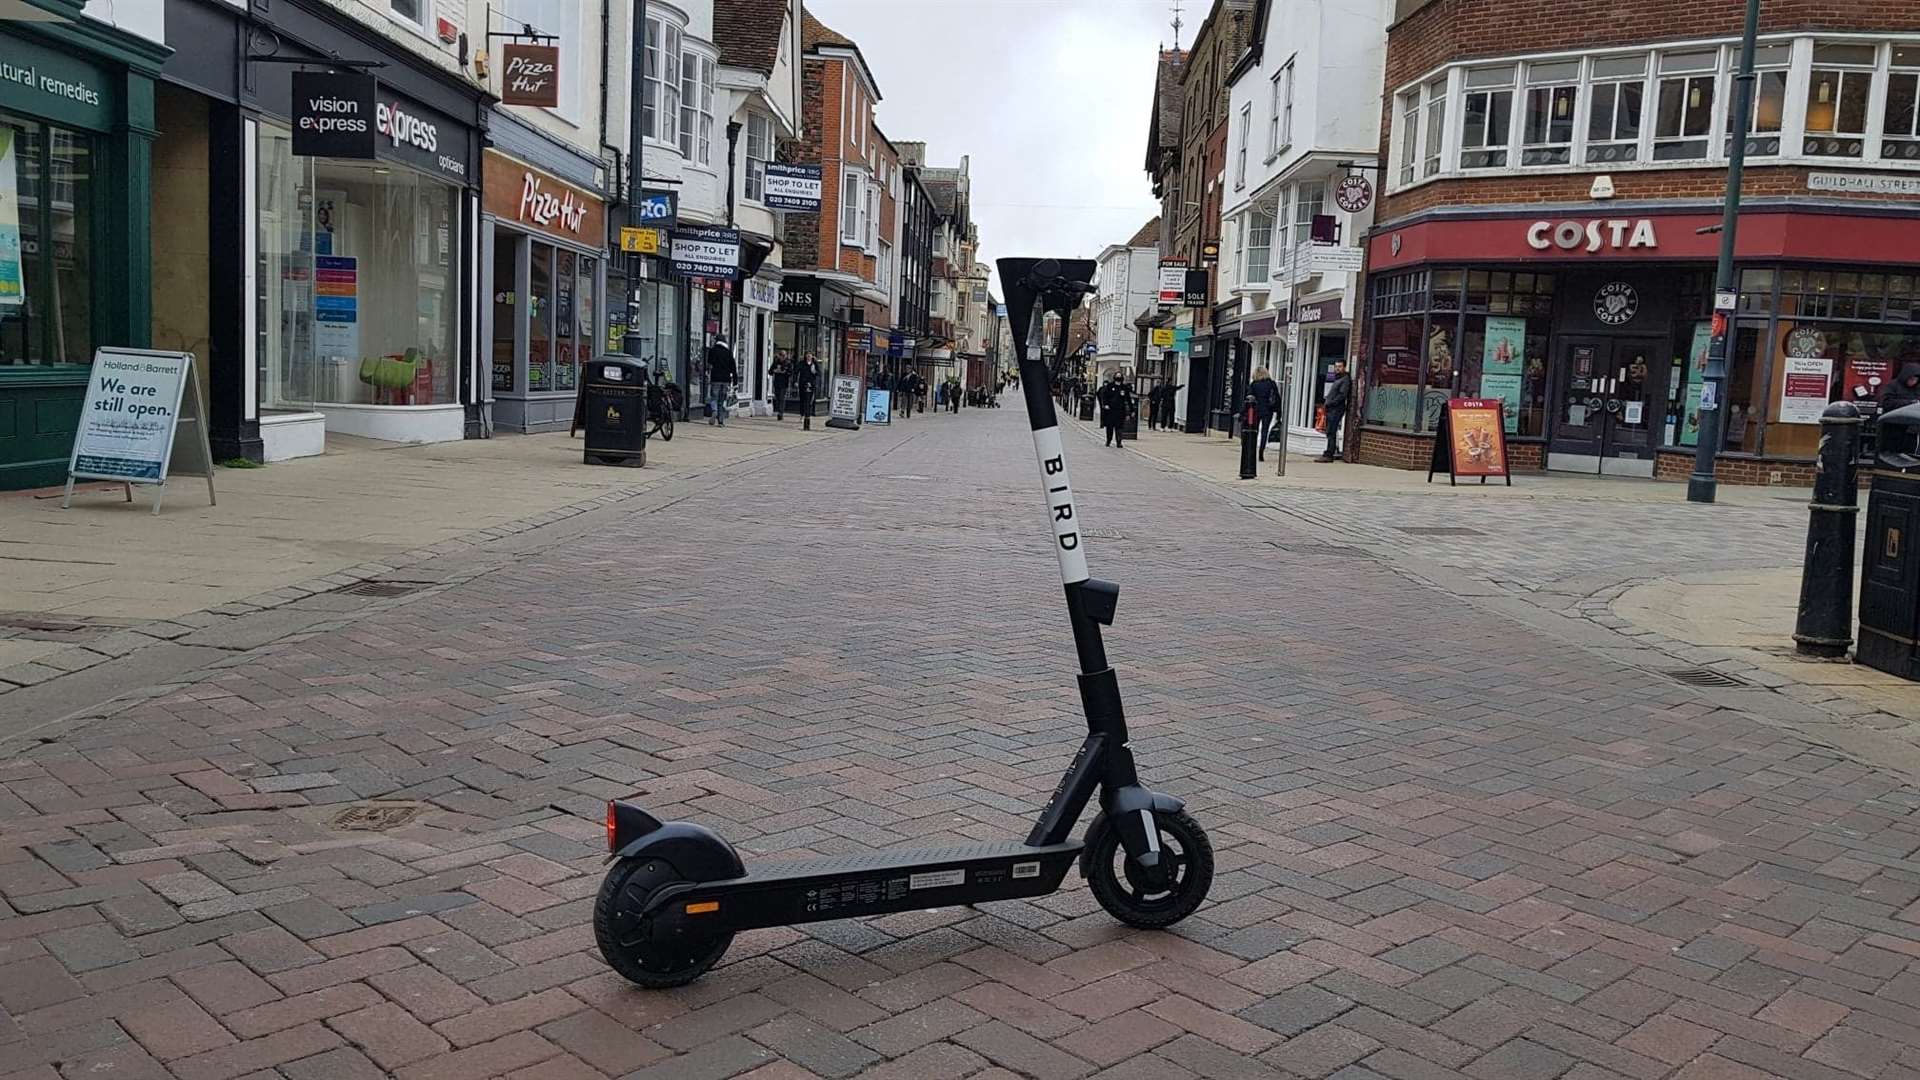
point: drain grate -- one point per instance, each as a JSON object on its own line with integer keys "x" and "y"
{"x": 375, "y": 817}
{"x": 382, "y": 589}
{"x": 1694, "y": 676}
{"x": 1438, "y": 530}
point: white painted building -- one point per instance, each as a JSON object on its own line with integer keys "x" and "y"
{"x": 1303, "y": 136}
{"x": 1128, "y": 284}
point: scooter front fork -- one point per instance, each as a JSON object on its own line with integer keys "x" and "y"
{"x": 1131, "y": 810}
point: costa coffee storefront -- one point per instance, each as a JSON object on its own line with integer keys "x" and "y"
{"x": 1591, "y": 323}
{"x": 545, "y": 277}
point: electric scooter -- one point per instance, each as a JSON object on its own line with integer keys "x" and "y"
{"x": 677, "y": 893}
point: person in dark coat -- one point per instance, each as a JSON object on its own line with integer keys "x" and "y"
{"x": 1266, "y": 402}
{"x": 720, "y": 375}
{"x": 1905, "y": 389}
{"x": 1116, "y": 398}
{"x": 782, "y": 372}
{"x": 1339, "y": 393}
{"x": 806, "y": 385}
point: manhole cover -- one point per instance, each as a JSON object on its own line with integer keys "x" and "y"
{"x": 375, "y": 817}
{"x": 47, "y": 629}
{"x": 1437, "y": 530}
{"x": 383, "y": 589}
{"x": 1705, "y": 677}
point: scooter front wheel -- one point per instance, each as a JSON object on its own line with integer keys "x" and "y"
{"x": 643, "y": 953}
{"x": 1123, "y": 887}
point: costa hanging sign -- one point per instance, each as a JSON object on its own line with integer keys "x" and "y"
{"x": 1596, "y": 234}
{"x": 530, "y": 75}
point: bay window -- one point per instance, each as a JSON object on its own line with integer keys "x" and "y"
{"x": 696, "y": 108}
{"x": 1259, "y": 232}
{"x": 1769, "y": 110}
{"x": 1553, "y": 89}
{"x": 660, "y": 83}
{"x": 1436, "y": 125}
{"x": 759, "y": 152}
{"x": 1901, "y": 126}
{"x": 1306, "y": 206}
{"x": 1614, "y": 107}
{"x": 1486, "y": 118}
{"x": 1409, "y": 134}
{"x": 1837, "y": 93}
{"x": 1685, "y": 104}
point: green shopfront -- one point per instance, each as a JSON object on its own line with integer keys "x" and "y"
{"x": 76, "y": 127}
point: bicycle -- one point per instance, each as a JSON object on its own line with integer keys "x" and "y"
{"x": 663, "y": 400}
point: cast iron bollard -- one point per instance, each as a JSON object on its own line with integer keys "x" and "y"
{"x": 1249, "y": 442}
{"x": 1825, "y": 623}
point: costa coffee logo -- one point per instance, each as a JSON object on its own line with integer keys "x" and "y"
{"x": 1616, "y": 303}
{"x": 1591, "y": 236}
{"x": 401, "y": 128}
{"x": 543, "y": 207}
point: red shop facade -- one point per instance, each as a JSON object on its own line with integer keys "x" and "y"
{"x": 1591, "y": 322}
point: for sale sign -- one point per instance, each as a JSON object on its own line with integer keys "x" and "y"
{"x": 1173, "y": 283}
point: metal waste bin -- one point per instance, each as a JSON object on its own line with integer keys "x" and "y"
{"x": 616, "y": 407}
{"x": 1086, "y": 406}
{"x": 1890, "y": 577}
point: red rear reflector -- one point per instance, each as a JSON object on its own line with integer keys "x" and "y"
{"x": 611, "y": 846}
{"x": 705, "y": 907}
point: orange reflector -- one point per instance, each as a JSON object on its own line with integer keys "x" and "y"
{"x": 611, "y": 846}
{"x": 705, "y": 907}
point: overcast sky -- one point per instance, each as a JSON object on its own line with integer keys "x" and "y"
{"x": 1049, "y": 99}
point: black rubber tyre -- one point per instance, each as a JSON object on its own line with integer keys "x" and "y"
{"x": 666, "y": 428}
{"x": 629, "y": 948}
{"x": 1119, "y": 886}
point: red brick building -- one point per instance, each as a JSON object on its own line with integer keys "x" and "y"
{"x": 1549, "y": 169}
{"x": 841, "y": 274}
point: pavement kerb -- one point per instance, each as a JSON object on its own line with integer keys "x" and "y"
{"x": 51, "y": 667}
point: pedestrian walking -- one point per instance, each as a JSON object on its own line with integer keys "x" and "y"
{"x": 720, "y": 375}
{"x": 1334, "y": 405}
{"x": 953, "y": 395}
{"x": 1115, "y": 399}
{"x": 806, "y": 384}
{"x": 782, "y": 372}
{"x": 1154, "y": 397}
{"x": 1166, "y": 405}
{"x": 1266, "y": 401}
{"x": 940, "y": 396}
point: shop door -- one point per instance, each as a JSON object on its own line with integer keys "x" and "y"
{"x": 1609, "y": 405}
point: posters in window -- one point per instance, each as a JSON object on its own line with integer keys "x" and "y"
{"x": 1866, "y": 379}
{"x": 1804, "y": 389}
{"x": 1503, "y": 358}
{"x": 13, "y": 282}
{"x": 1696, "y": 361}
{"x": 336, "y": 306}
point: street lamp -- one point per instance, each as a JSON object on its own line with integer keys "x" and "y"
{"x": 1702, "y": 485}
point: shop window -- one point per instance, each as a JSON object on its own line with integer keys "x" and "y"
{"x": 1436, "y": 126}
{"x": 1486, "y": 118}
{"x": 660, "y": 83}
{"x": 540, "y": 282}
{"x": 1756, "y": 289}
{"x": 1259, "y": 246}
{"x": 1901, "y": 125}
{"x": 1769, "y": 108}
{"x": 1442, "y": 372}
{"x": 506, "y": 309}
{"x": 1685, "y": 104}
{"x": 47, "y": 225}
{"x": 1506, "y": 358}
{"x": 1837, "y": 92}
{"x": 1614, "y": 109}
{"x": 359, "y": 286}
{"x": 1553, "y": 91}
{"x": 1398, "y": 294}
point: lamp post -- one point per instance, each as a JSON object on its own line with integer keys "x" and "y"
{"x": 1701, "y": 486}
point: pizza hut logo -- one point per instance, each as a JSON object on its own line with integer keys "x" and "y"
{"x": 1616, "y": 303}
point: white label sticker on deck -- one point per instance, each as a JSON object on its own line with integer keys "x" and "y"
{"x": 938, "y": 879}
{"x": 1026, "y": 869}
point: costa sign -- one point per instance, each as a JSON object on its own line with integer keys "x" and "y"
{"x": 1617, "y": 234}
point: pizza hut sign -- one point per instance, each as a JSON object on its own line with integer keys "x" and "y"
{"x": 1592, "y": 236}
{"x": 566, "y": 211}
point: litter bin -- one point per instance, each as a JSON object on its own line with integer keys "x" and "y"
{"x": 1890, "y": 577}
{"x": 1086, "y": 406}
{"x": 616, "y": 406}
{"x": 1130, "y": 427}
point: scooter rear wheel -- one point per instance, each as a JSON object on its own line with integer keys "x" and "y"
{"x": 1122, "y": 887}
{"x": 632, "y": 946}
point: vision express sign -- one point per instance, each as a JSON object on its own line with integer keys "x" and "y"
{"x": 333, "y": 114}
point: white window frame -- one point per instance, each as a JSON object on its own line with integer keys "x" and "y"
{"x": 1286, "y": 105}
{"x": 1533, "y": 80}
{"x": 1721, "y": 78}
{"x": 755, "y": 173}
{"x": 697, "y": 74}
{"x": 422, "y": 25}
{"x": 1407, "y": 107}
{"x": 1240, "y": 154}
{"x": 853, "y": 230}
{"x": 665, "y": 129}
{"x": 1261, "y": 271}
{"x": 1274, "y": 145}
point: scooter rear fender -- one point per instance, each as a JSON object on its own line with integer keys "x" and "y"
{"x": 697, "y": 852}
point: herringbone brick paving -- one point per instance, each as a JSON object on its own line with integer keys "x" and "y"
{"x": 1448, "y": 846}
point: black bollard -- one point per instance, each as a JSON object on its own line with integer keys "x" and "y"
{"x": 1825, "y": 623}
{"x": 1249, "y": 442}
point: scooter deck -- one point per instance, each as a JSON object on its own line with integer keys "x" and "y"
{"x": 880, "y": 882}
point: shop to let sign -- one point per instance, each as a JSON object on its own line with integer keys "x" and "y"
{"x": 791, "y": 187}
{"x": 706, "y": 251}
{"x": 1471, "y": 441}
{"x": 333, "y": 114}
{"x": 530, "y": 75}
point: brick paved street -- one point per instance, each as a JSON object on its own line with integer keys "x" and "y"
{"x": 1450, "y": 843}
